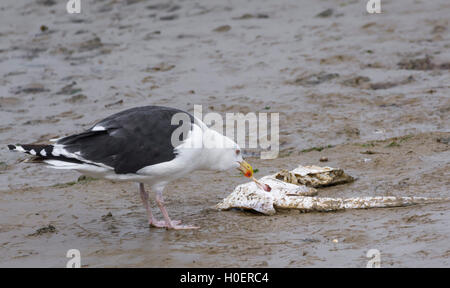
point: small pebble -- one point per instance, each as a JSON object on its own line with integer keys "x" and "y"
{"x": 335, "y": 240}
{"x": 325, "y": 13}
{"x": 224, "y": 28}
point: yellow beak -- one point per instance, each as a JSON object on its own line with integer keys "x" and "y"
{"x": 246, "y": 169}
{"x": 248, "y": 172}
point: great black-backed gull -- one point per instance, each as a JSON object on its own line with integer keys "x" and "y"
{"x": 148, "y": 145}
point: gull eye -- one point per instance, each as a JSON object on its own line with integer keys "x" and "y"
{"x": 238, "y": 152}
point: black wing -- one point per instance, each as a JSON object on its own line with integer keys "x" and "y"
{"x": 132, "y": 139}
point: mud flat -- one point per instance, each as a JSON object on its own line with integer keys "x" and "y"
{"x": 344, "y": 82}
{"x": 106, "y": 221}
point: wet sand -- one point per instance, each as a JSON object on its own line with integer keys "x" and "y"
{"x": 106, "y": 221}
{"x": 349, "y": 80}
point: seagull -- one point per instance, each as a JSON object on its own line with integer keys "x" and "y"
{"x": 150, "y": 145}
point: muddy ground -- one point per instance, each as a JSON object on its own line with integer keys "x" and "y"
{"x": 344, "y": 82}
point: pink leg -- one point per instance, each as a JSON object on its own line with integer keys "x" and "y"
{"x": 144, "y": 198}
{"x": 151, "y": 219}
{"x": 169, "y": 224}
